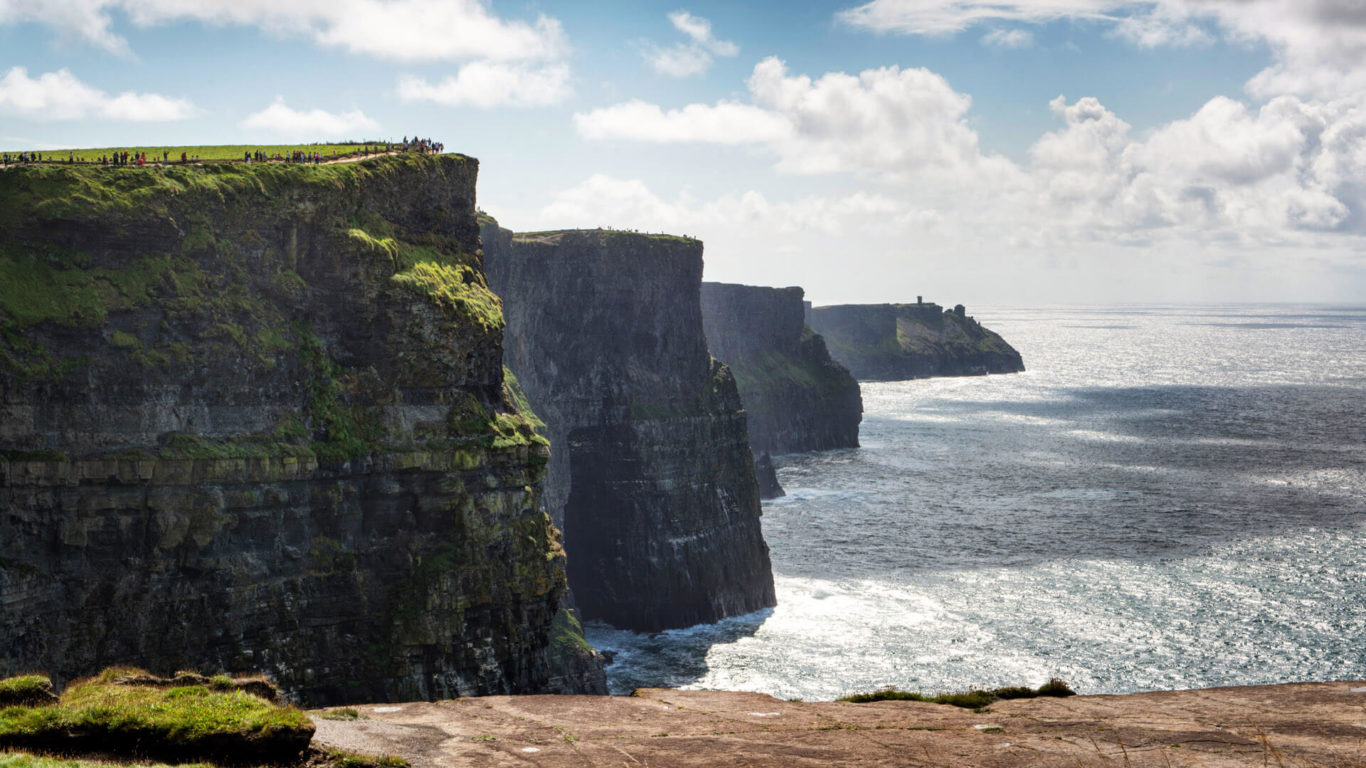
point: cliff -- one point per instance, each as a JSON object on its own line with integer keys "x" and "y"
{"x": 650, "y": 475}
{"x": 796, "y": 398}
{"x": 254, "y": 418}
{"x": 892, "y": 342}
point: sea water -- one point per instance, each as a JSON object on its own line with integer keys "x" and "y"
{"x": 1170, "y": 497}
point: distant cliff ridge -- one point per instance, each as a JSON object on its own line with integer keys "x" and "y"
{"x": 254, "y": 418}
{"x": 650, "y": 467}
{"x": 796, "y": 398}
{"x": 892, "y": 342}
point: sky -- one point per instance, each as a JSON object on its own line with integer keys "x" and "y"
{"x": 970, "y": 151}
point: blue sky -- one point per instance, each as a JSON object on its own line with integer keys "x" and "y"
{"x": 985, "y": 152}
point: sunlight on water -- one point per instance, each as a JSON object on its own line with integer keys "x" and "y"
{"x": 1171, "y": 497}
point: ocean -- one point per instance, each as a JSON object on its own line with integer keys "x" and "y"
{"x": 1170, "y": 497}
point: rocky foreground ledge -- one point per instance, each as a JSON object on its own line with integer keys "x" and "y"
{"x": 1305, "y": 725}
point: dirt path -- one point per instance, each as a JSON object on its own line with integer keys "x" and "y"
{"x": 1307, "y": 725}
{"x": 363, "y": 157}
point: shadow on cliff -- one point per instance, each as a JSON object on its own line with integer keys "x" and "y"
{"x": 669, "y": 659}
{"x": 1130, "y": 473}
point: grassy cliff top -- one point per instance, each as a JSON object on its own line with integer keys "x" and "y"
{"x": 553, "y": 235}
{"x": 204, "y": 151}
{"x": 901, "y": 305}
{"x": 62, "y": 190}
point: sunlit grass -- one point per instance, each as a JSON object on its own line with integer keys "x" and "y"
{"x": 178, "y": 720}
{"x": 203, "y": 152}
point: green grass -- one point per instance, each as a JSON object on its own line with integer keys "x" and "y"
{"x": 25, "y": 690}
{"x": 974, "y": 699}
{"x": 21, "y": 760}
{"x": 605, "y": 233}
{"x": 341, "y": 759}
{"x": 185, "y": 721}
{"x": 515, "y": 395}
{"x": 333, "y": 758}
{"x": 205, "y": 152}
{"x": 451, "y": 280}
{"x": 566, "y": 636}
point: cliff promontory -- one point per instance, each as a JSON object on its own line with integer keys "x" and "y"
{"x": 650, "y": 475}
{"x": 796, "y": 398}
{"x": 1302, "y": 724}
{"x": 254, "y": 418}
{"x": 892, "y": 342}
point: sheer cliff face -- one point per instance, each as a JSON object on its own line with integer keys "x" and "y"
{"x": 796, "y": 398}
{"x": 254, "y": 418}
{"x": 892, "y": 342}
{"x": 650, "y": 469}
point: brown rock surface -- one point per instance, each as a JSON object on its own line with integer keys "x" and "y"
{"x": 1304, "y": 725}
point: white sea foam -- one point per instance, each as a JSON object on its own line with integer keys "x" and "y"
{"x": 1155, "y": 506}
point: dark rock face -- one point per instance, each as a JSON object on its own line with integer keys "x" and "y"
{"x": 795, "y": 396}
{"x": 769, "y": 487}
{"x": 893, "y": 342}
{"x": 254, "y": 418}
{"x": 650, "y": 467}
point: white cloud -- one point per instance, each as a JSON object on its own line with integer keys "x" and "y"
{"x": 61, "y": 96}
{"x": 693, "y": 57}
{"x": 883, "y": 122}
{"x": 723, "y": 123}
{"x": 282, "y": 120}
{"x": 603, "y": 200}
{"x": 1276, "y": 176}
{"x": 1319, "y": 46}
{"x": 1002, "y": 248}
{"x": 402, "y": 30}
{"x": 678, "y": 61}
{"x": 509, "y": 62}
{"x": 941, "y": 17}
{"x": 699, "y": 29}
{"x": 1285, "y": 175}
{"x": 485, "y": 85}
{"x": 1008, "y": 38}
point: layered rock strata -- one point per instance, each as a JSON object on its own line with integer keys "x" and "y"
{"x": 254, "y": 418}
{"x": 796, "y": 398}
{"x": 650, "y": 469}
{"x": 892, "y": 342}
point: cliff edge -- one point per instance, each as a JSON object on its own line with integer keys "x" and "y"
{"x": 1302, "y": 724}
{"x": 254, "y": 418}
{"x": 650, "y": 474}
{"x": 893, "y": 342}
{"x": 796, "y": 398}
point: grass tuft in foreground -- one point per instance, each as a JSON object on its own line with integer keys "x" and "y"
{"x": 337, "y": 758}
{"x": 974, "y": 699}
{"x": 26, "y": 691}
{"x": 21, "y": 760}
{"x": 182, "y": 722}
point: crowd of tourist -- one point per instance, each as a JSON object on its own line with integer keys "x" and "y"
{"x": 422, "y": 145}
{"x": 314, "y": 157}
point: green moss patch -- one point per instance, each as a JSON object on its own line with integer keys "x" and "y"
{"x": 181, "y": 722}
{"x": 974, "y": 699}
{"x": 36, "y": 286}
{"x": 456, "y": 289}
{"x": 337, "y": 758}
{"x": 512, "y": 389}
{"x": 26, "y": 690}
{"x": 566, "y": 636}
